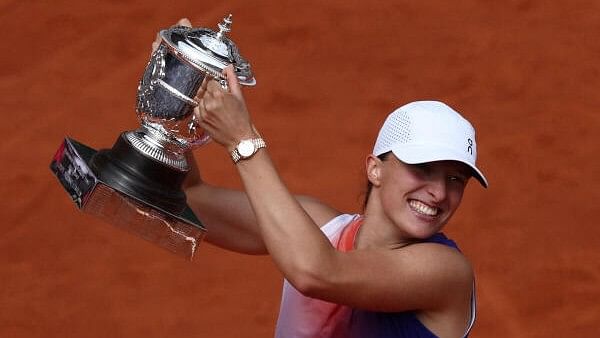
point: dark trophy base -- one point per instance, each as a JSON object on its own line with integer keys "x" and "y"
{"x": 131, "y": 191}
{"x": 131, "y": 172}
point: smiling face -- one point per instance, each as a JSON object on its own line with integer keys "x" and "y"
{"x": 415, "y": 200}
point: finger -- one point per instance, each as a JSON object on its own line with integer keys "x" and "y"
{"x": 232, "y": 81}
{"x": 208, "y": 94}
{"x": 210, "y": 105}
{"x": 200, "y": 111}
{"x": 196, "y": 112}
{"x": 156, "y": 42}
{"x": 214, "y": 88}
{"x": 184, "y": 22}
{"x": 206, "y": 107}
{"x": 202, "y": 90}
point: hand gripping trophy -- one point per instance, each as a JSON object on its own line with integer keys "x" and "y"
{"x": 136, "y": 184}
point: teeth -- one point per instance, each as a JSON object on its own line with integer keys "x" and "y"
{"x": 423, "y": 208}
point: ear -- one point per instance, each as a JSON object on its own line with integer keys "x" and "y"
{"x": 374, "y": 167}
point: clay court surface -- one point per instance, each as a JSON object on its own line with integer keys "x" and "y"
{"x": 525, "y": 72}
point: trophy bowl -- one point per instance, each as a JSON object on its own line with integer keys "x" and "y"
{"x": 137, "y": 184}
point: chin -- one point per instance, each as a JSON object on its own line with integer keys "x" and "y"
{"x": 424, "y": 234}
{"x": 425, "y": 228}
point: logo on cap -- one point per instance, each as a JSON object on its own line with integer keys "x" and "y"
{"x": 470, "y": 147}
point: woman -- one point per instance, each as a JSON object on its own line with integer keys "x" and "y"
{"x": 386, "y": 273}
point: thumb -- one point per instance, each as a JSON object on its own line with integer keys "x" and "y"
{"x": 232, "y": 81}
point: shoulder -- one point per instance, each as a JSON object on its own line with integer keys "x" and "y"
{"x": 449, "y": 273}
{"x": 441, "y": 256}
{"x": 448, "y": 306}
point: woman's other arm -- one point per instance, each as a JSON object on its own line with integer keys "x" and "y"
{"x": 229, "y": 218}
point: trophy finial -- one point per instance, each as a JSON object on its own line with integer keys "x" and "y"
{"x": 224, "y": 27}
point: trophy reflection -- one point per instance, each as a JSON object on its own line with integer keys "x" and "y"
{"x": 137, "y": 184}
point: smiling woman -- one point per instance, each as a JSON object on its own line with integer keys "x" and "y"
{"x": 431, "y": 192}
{"x": 387, "y": 273}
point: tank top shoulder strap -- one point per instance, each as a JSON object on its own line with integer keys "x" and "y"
{"x": 348, "y": 236}
{"x": 440, "y": 238}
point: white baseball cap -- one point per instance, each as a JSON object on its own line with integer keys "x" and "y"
{"x": 428, "y": 131}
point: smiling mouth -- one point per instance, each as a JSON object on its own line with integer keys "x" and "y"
{"x": 423, "y": 208}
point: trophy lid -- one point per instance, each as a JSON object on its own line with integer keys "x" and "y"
{"x": 208, "y": 50}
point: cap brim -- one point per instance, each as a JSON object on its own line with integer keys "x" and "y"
{"x": 417, "y": 154}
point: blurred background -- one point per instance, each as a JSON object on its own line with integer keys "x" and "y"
{"x": 525, "y": 72}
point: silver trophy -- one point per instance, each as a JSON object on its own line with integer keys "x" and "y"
{"x": 136, "y": 184}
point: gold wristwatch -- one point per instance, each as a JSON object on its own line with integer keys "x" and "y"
{"x": 246, "y": 148}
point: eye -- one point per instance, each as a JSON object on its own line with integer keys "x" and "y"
{"x": 459, "y": 179}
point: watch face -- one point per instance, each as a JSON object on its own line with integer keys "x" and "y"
{"x": 246, "y": 148}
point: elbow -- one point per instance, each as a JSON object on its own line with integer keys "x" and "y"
{"x": 310, "y": 281}
{"x": 308, "y": 286}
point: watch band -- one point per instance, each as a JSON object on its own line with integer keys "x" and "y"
{"x": 257, "y": 142}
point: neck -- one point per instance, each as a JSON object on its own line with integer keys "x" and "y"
{"x": 378, "y": 231}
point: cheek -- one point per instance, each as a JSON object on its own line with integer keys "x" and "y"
{"x": 388, "y": 197}
{"x": 455, "y": 197}
{"x": 393, "y": 193}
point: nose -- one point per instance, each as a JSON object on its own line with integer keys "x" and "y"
{"x": 436, "y": 187}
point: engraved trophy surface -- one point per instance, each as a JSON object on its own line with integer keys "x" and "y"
{"x": 136, "y": 184}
